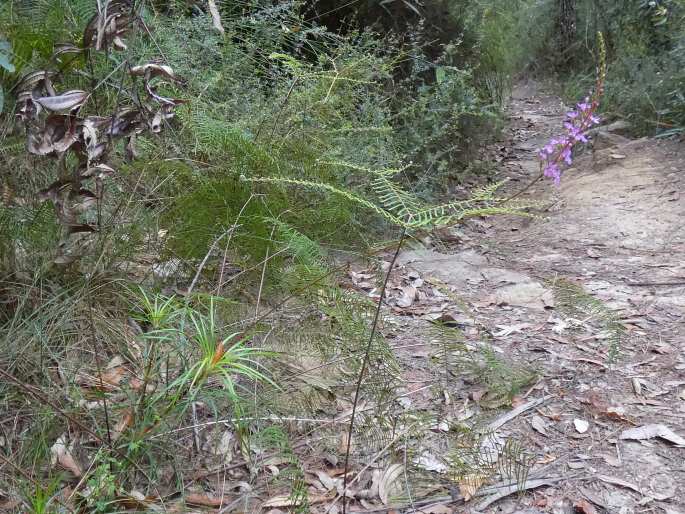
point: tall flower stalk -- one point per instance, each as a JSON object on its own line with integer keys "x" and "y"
{"x": 558, "y": 153}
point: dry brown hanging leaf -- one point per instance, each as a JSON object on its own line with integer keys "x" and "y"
{"x": 67, "y": 101}
{"x": 65, "y": 48}
{"x": 152, "y": 69}
{"x": 123, "y": 123}
{"x": 34, "y": 80}
{"x": 108, "y": 25}
{"x": 99, "y": 170}
{"x": 57, "y": 136}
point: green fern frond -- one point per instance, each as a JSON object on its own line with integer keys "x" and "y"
{"x": 404, "y": 209}
{"x": 395, "y": 199}
{"x": 487, "y": 192}
{"x": 448, "y": 214}
{"x": 385, "y": 172}
{"x": 330, "y": 189}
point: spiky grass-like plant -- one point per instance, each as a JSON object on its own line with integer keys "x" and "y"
{"x": 221, "y": 357}
{"x": 155, "y": 310}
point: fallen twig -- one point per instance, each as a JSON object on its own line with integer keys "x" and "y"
{"x": 505, "y": 491}
{"x": 496, "y": 492}
{"x": 647, "y": 284}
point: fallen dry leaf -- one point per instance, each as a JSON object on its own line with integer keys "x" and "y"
{"x": 652, "y": 431}
{"x": 633, "y": 487}
{"x": 539, "y": 424}
{"x": 430, "y": 462}
{"x": 584, "y": 507}
{"x": 469, "y": 485}
{"x": 289, "y": 501}
{"x": 407, "y": 298}
{"x": 581, "y": 425}
{"x": 328, "y": 482}
{"x": 207, "y": 500}
{"x": 505, "y": 330}
{"x": 385, "y": 485}
{"x": 612, "y": 461}
{"x": 61, "y": 454}
{"x": 123, "y": 423}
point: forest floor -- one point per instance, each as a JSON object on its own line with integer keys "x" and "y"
{"x": 590, "y": 294}
{"x": 541, "y": 364}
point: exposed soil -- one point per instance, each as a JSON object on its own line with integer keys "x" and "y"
{"x": 614, "y": 229}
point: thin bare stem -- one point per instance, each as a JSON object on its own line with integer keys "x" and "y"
{"x": 365, "y": 363}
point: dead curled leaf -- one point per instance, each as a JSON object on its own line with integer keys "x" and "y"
{"x": 58, "y": 135}
{"x": 67, "y": 101}
{"x": 62, "y": 455}
{"x": 151, "y": 69}
{"x": 108, "y": 25}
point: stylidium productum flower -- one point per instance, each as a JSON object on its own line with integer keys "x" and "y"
{"x": 559, "y": 150}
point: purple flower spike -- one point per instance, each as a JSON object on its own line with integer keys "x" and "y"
{"x": 560, "y": 150}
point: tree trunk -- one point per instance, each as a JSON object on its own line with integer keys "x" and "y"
{"x": 567, "y": 23}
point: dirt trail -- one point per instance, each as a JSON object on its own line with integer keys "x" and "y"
{"x": 591, "y": 294}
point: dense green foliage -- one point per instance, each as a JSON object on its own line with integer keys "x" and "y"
{"x": 277, "y": 95}
{"x": 646, "y": 52}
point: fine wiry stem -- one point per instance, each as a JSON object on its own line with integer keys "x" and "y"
{"x": 365, "y": 363}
